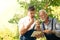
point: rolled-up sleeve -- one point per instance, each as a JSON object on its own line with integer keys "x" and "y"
{"x": 57, "y": 31}
{"x": 56, "y": 26}
{"x": 20, "y": 24}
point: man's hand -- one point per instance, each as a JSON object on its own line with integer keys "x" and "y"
{"x": 31, "y": 20}
{"x": 48, "y": 31}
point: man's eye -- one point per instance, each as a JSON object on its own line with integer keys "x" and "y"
{"x": 31, "y": 13}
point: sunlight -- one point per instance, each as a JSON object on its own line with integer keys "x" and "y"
{"x": 7, "y": 10}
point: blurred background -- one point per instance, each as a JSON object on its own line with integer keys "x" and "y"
{"x": 13, "y": 10}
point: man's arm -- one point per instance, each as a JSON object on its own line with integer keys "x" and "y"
{"x": 24, "y": 29}
{"x": 57, "y": 29}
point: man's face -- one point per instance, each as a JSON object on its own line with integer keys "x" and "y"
{"x": 31, "y": 13}
{"x": 43, "y": 16}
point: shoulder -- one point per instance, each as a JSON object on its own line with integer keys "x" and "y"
{"x": 54, "y": 19}
{"x": 22, "y": 19}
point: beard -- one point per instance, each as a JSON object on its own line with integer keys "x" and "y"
{"x": 43, "y": 19}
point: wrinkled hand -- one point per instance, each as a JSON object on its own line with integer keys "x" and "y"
{"x": 47, "y": 31}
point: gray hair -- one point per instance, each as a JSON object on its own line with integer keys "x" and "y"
{"x": 42, "y": 10}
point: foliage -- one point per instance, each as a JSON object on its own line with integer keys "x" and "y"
{"x": 7, "y": 34}
{"x": 15, "y": 18}
{"x": 43, "y": 4}
{"x": 38, "y": 4}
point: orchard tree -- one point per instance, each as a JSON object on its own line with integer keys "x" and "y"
{"x": 38, "y": 4}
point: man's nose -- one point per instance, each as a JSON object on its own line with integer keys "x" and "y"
{"x": 33, "y": 14}
{"x": 42, "y": 16}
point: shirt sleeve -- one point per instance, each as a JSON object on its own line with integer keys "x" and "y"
{"x": 20, "y": 24}
{"x": 56, "y": 26}
{"x": 57, "y": 31}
